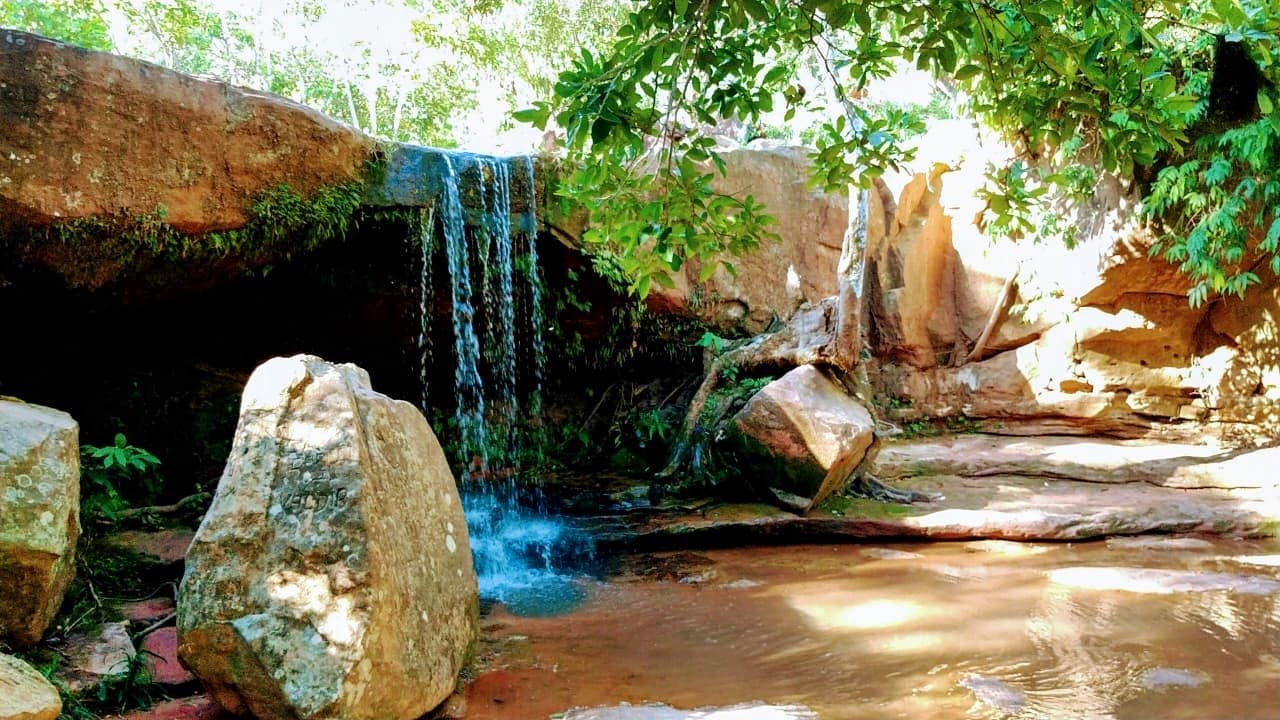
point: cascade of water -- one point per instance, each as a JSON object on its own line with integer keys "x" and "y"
{"x": 426, "y": 250}
{"x": 468, "y": 385}
{"x": 537, "y": 317}
{"x": 518, "y": 548}
{"x": 502, "y": 312}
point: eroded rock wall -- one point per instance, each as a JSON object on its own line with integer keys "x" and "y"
{"x": 1097, "y": 338}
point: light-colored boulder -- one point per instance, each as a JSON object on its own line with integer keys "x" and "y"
{"x": 39, "y": 516}
{"x": 24, "y": 693}
{"x": 805, "y": 433}
{"x": 332, "y": 576}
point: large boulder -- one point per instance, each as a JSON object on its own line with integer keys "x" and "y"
{"x": 39, "y": 516}
{"x": 332, "y": 576}
{"x": 24, "y": 693}
{"x": 805, "y": 434}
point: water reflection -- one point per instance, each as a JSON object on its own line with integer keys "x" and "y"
{"x": 921, "y": 631}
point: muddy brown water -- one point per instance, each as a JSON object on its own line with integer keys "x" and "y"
{"x": 1138, "y": 629}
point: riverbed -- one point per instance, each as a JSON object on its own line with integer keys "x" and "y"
{"x": 1139, "y": 628}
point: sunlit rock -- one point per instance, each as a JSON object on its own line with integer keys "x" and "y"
{"x": 39, "y": 516}
{"x": 24, "y": 693}
{"x": 332, "y": 577}
{"x": 801, "y": 428}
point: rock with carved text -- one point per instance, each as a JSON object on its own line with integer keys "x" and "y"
{"x": 332, "y": 577}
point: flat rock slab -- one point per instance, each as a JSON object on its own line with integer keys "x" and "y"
{"x": 1090, "y": 459}
{"x": 24, "y": 693}
{"x": 162, "y": 547}
{"x": 752, "y": 711}
{"x": 1001, "y": 507}
{"x": 196, "y": 707}
{"x": 161, "y": 649}
{"x": 144, "y": 612}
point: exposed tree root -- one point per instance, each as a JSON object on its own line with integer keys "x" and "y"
{"x": 869, "y": 486}
{"x": 805, "y": 341}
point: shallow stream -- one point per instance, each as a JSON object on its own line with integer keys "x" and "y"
{"x": 1136, "y": 628}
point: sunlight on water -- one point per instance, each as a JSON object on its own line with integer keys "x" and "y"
{"x": 918, "y": 631}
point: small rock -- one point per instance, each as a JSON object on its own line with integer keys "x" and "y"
{"x": 93, "y": 656}
{"x": 145, "y": 612}
{"x": 161, "y": 648}
{"x": 162, "y": 547}
{"x": 196, "y": 707}
{"x": 1005, "y": 547}
{"x": 24, "y": 693}
{"x": 1162, "y": 677}
{"x": 994, "y": 693}
{"x": 743, "y": 584}
{"x": 890, "y": 554}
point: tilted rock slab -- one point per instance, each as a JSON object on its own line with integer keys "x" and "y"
{"x": 24, "y": 693}
{"x": 809, "y": 433}
{"x": 332, "y": 576}
{"x": 39, "y": 516}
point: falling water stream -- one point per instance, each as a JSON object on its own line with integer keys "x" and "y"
{"x": 520, "y": 551}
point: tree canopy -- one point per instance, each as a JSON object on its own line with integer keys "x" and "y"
{"x": 425, "y": 71}
{"x": 1178, "y": 96}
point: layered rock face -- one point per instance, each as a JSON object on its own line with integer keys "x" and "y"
{"x": 39, "y": 516}
{"x": 778, "y": 277}
{"x": 1099, "y": 338}
{"x": 332, "y": 576}
{"x": 91, "y": 134}
{"x": 24, "y": 693}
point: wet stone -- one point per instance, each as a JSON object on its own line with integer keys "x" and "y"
{"x": 1162, "y": 677}
{"x": 994, "y": 693}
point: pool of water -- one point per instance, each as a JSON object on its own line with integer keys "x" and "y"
{"x": 1135, "y": 629}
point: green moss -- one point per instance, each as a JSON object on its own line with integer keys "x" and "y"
{"x": 862, "y": 508}
{"x": 281, "y": 221}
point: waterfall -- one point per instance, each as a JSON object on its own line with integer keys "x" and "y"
{"x": 519, "y": 548}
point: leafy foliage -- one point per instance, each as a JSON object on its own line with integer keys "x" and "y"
{"x": 1122, "y": 87}
{"x": 404, "y": 70}
{"x": 107, "y": 472}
